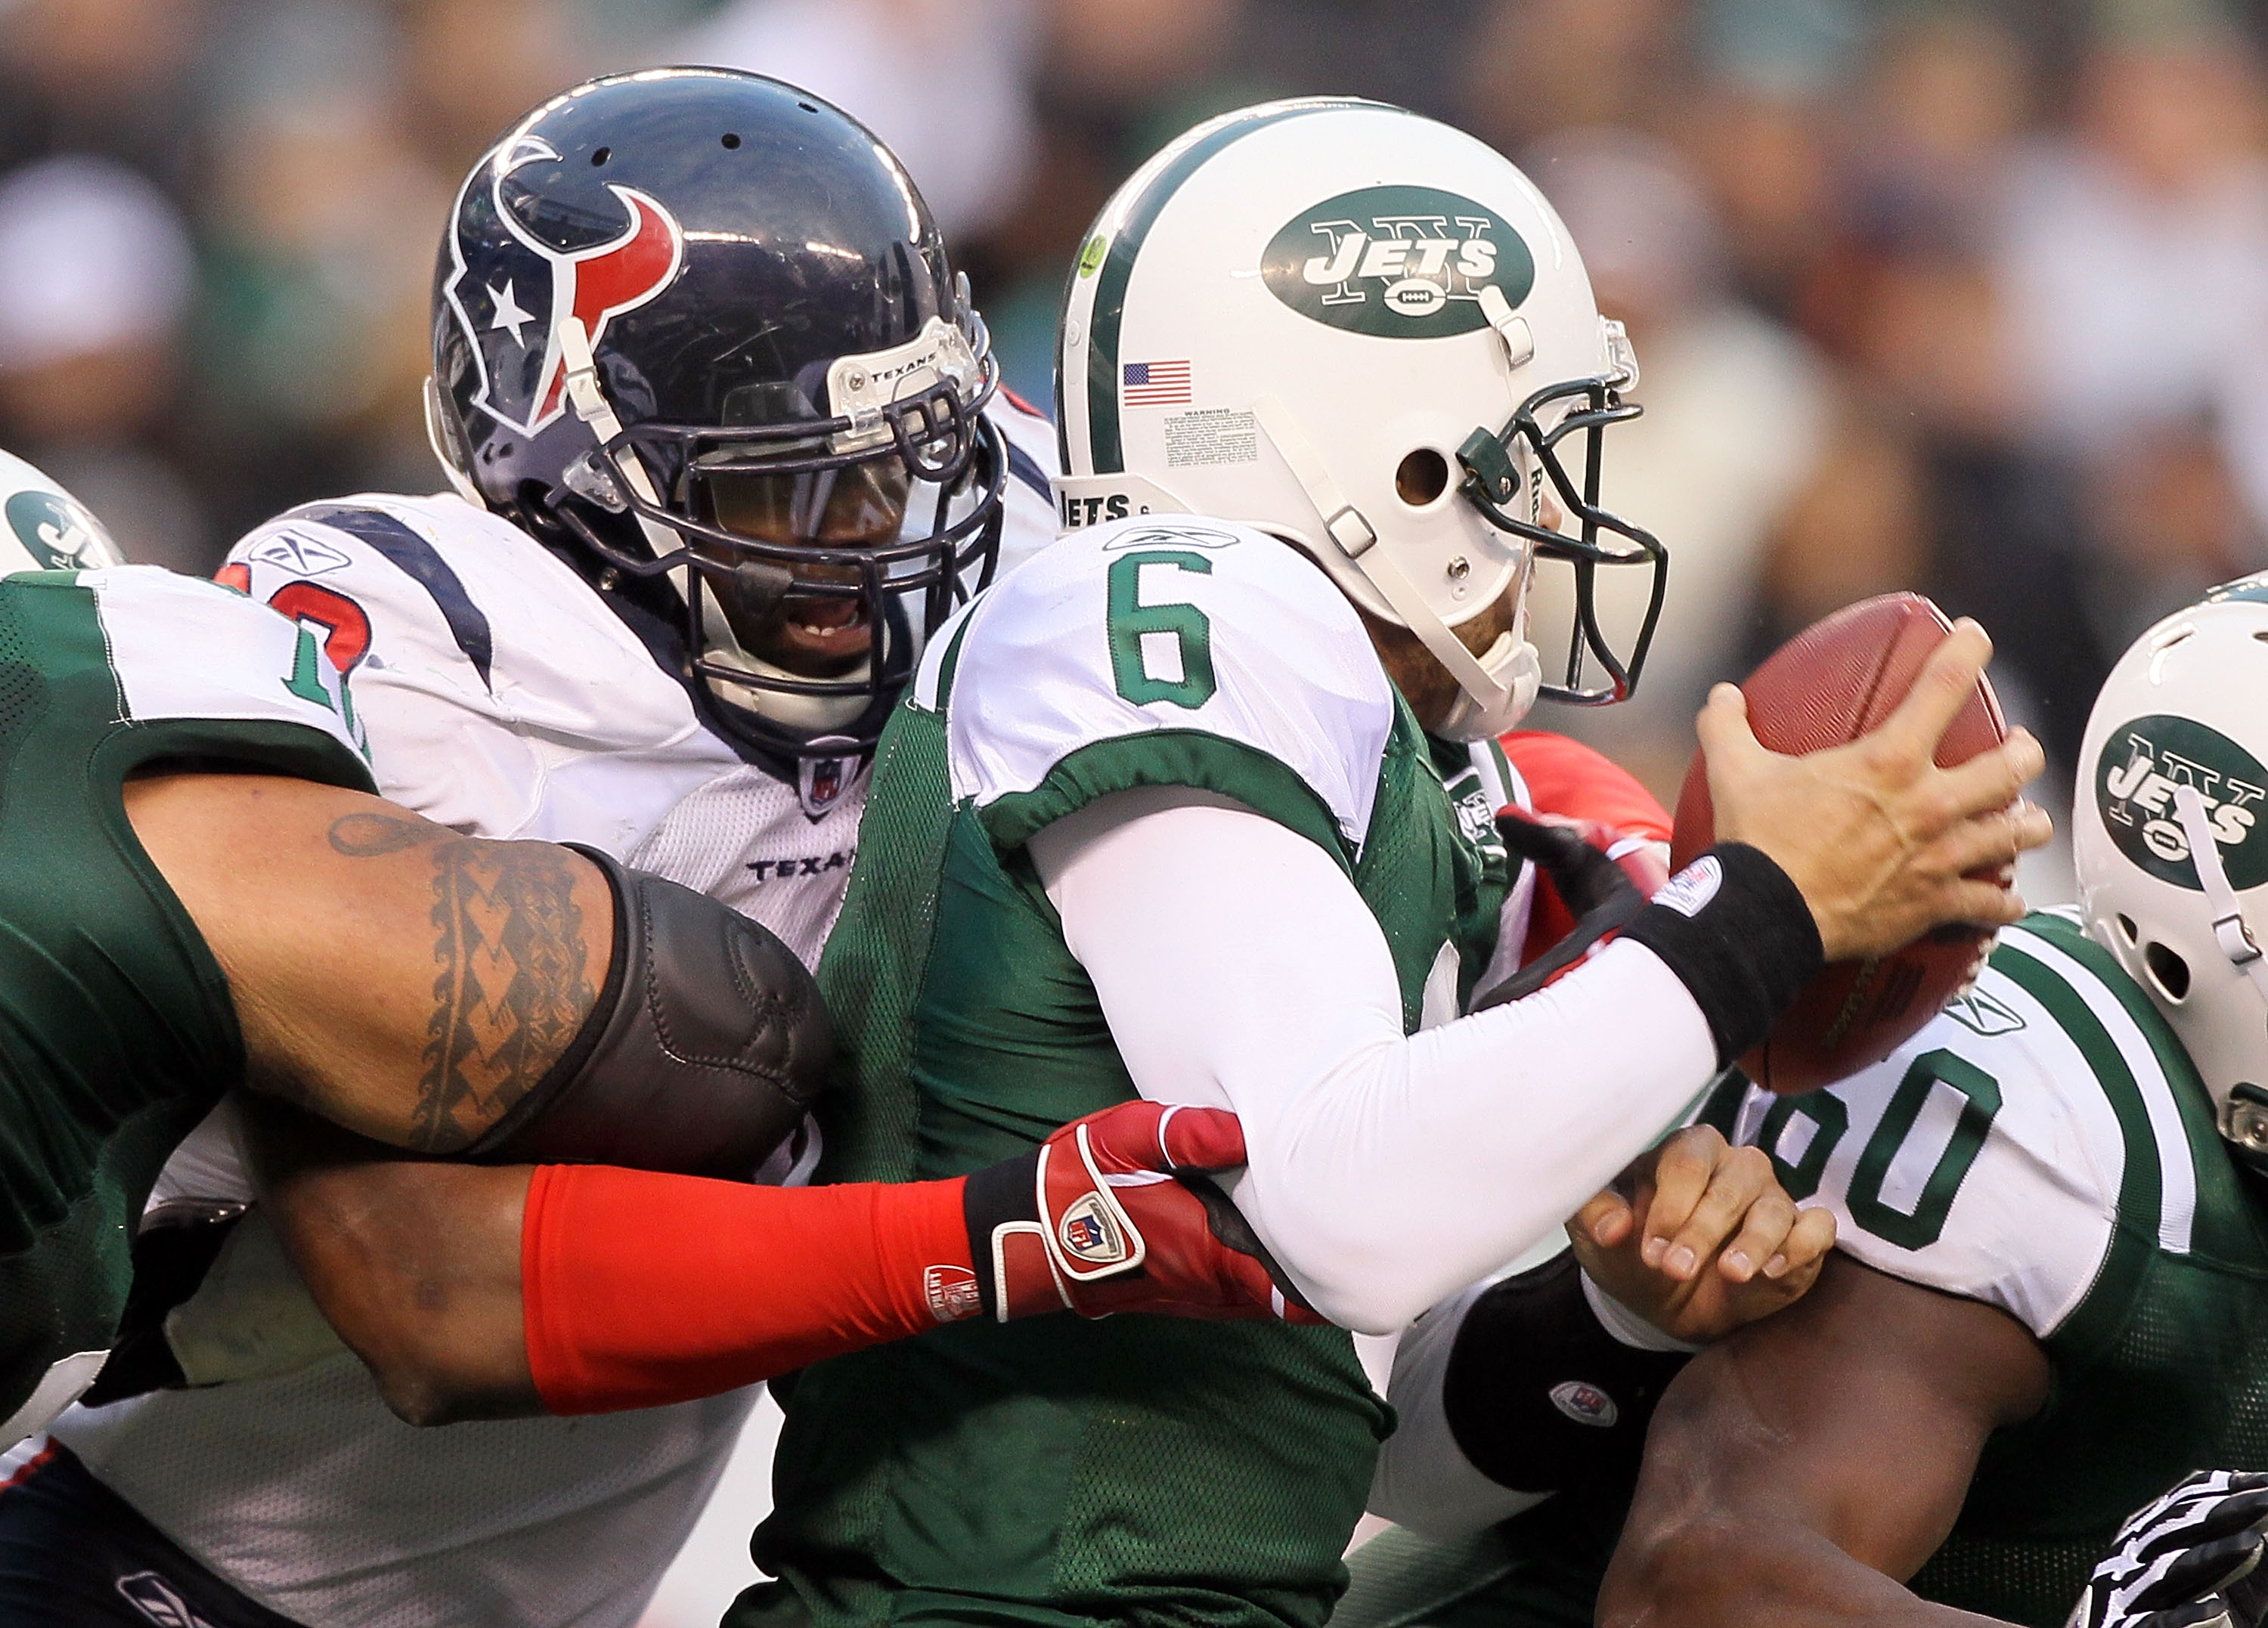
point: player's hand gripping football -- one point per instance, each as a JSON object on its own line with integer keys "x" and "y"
{"x": 2189, "y": 1559}
{"x": 1879, "y": 840}
{"x": 1115, "y": 1212}
{"x": 1698, "y": 1238}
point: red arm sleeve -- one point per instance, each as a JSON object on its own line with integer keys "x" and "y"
{"x": 1568, "y": 778}
{"x": 641, "y": 1289}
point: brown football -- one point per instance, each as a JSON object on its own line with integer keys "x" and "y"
{"x": 1833, "y": 682}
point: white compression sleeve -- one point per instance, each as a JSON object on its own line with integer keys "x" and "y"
{"x": 1238, "y": 967}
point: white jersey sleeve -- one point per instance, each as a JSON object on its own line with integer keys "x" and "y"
{"x": 1168, "y": 651}
{"x": 492, "y": 684}
{"x": 1027, "y": 508}
{"x": 1984, "y": 1157}
{"x": 183, "y": 649}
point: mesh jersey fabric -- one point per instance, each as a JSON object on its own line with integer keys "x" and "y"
{"x": 117, "y": 1032}
{"x": 1057, "y": 1471}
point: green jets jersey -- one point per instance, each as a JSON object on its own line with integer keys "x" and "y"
{"x": 2045, "y": 1146}
{"x": 1057, "y": 1471}
{"x": 117, "y": 1033}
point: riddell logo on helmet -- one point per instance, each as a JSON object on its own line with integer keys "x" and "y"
{"x": 2141, "y": 765}
{"x": 1397, "y": 262}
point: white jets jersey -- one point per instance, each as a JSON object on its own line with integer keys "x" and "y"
{"x": 1992, "y": 1155}
{"x": 499, "y": 696}
{"x": 1180, "y": 651}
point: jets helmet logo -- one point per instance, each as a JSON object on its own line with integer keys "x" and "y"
{"x": 510, "y": 307}
{"x": 1397, "y": 262}
{"x": 57, "y": 532}
{"x": 2141, "y": 764}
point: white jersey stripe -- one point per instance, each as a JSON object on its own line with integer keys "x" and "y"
{"x": 2178, "y": 1208}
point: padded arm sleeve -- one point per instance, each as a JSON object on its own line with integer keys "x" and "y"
{"x": 1238, "y": 967}
{"x": 704, "y": 1051}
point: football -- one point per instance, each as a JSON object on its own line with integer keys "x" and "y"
{"x": 1833, "y": 682}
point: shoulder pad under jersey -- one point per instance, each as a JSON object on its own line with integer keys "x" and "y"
{"x": 1166, "y": 650}
{"x": 477, "y": 656}
{"x": 2003, "y": 1151}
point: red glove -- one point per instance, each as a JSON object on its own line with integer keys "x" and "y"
{"x": 1570, "y": 785}
{"x": 1114, "y": 1212}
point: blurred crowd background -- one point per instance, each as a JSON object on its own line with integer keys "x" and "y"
{"x": 1970, "y": 298}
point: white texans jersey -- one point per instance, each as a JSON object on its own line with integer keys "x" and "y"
{"x": 501, "y": 696}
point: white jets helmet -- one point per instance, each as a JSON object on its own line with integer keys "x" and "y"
{"x": 1368, "y": 334}
{"x": 47, "y": 529}
{"x": 2170, "y": 837}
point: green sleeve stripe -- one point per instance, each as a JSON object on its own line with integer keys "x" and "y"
{"x": 950, "y": 663}
{"x": 1109, "y": 309}
{"x": 2095, "y": 1322}
{"x": 1169, "y": 758}
{"x": 2220, "y": 1227}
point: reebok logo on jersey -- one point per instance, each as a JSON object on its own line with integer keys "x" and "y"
{"x": 301, "y": 556}
{"x": 1980, "y": 1014}
{"x": 159, "y": 1601}
{"x": 2141, "y": 764}
{"x": 1585, "y": 1405}
{"x": 1397, "y": 262}
{"x": 816, "y": 865}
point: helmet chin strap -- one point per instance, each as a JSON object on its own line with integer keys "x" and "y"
{"x": 435, "y": 438}
{"x": 2230, "y": 930}
{"x": 1499, "y": 686}
{"x": 589, "y": 401}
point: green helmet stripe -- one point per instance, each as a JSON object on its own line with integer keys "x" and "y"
{"x": 1109, "y": 309}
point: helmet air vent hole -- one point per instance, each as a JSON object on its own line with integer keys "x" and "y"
{"x": 2167, "y": 970}
{"x": 729, "y": 139}
{"x": 2127, "y": 926}
{"x": 2262, "y": 637}
{"x": 1422, "y": 478}
{"x": 806, "y": 107}
{"x": 602, "y": 155}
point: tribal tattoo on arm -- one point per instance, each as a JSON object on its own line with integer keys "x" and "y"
{"x": 513, "y": 983}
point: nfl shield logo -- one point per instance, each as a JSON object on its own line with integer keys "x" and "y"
{"x": 820, "y": 782}
{"x": 1088, "y": 1233}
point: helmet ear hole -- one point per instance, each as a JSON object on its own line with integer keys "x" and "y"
{"x": 1421, "y": 477}
{"x": 2127, "y": 927}
{"x": 2167, "y": 970}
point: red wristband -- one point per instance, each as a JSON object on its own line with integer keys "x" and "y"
{"x": 640, "y": 1289}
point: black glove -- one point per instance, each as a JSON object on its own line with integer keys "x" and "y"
{"x": 2184, "y": 1561}
{"x": 1597, "y": 893}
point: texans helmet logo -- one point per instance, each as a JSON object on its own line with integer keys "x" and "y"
{"x": 511, "y": 305}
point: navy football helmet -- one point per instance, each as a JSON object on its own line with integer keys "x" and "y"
{"x": 697, "y": 329}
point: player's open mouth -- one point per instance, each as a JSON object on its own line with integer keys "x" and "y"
{"x": 825, "y": 629}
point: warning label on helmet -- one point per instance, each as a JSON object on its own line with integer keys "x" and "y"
{"x": 1209, "y": 437}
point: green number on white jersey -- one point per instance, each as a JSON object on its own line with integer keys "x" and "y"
{"x": 1132, "y": 624}
{"x": 1828, "y": 1119}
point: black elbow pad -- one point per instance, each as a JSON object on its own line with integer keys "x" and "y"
{"x": 701, "y": 1055}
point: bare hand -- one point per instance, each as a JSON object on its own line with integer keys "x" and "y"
{"x": 1879, "y": 840}
{"x": 1707, "y": 1241}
